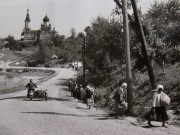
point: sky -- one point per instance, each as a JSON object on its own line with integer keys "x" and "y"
{"x": 63, "y": 14}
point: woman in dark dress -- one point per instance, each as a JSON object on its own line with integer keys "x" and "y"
{"x": 79, "y": 93}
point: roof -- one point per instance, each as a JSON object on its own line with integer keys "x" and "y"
{"x": 27, "y": 17}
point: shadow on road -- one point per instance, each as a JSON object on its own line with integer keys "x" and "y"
{"x": 62, "y": 82}
{"x": 54, "y": 113}
{"x": 151, "y": 127}
{"x": 63, "y": 79}
{"x": 108, "y": 117}
{"x": 81, "y": 108}
{"x": 96, "y": 116}
{"x": 18, "y": 97}
{"x": 65, "y": 89}
{"x": 24, "y": 98}
{"x": 60, "y": 99}
{"x": 32, "y": 99}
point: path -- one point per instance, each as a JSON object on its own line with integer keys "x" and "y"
{"x": 62, "y": 115}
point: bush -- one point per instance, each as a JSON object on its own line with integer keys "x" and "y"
{"x": 25, "y": 70}
{"x": 9, "y": 70}
{"x": 31, "y": 64}
{"x": 47, "y": 65}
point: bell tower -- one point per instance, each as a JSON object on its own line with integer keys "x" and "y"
{"x": 46, "y": 20}
{"x": 27, "y": 20}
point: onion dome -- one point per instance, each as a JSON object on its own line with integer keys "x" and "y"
{"x": 46, "y": 19}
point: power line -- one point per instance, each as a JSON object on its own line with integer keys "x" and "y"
{"x": 105, "y": 5}
{"x": 109, "y": 6}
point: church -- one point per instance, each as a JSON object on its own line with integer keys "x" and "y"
{"x": 44, "y": 33}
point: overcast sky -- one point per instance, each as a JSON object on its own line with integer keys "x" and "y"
{"x": 63, "y": 14}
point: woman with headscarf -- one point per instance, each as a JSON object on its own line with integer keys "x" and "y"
{"x": 119, "y": 96}
{"x": 74, "y": 89}
{"x": 79, "y": 93}
{"x": 89, "y": 94}
{"x": 159, "y": 102}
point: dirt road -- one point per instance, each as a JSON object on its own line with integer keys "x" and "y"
{"x": 62, "y": 115}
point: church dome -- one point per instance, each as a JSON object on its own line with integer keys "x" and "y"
{"x": 46, "y": 19}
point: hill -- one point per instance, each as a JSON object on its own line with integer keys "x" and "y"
{"x": 142, "y": 95}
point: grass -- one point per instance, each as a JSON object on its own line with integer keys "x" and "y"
{"x": 142, "y": 95}
{"x": 9, "y": 55}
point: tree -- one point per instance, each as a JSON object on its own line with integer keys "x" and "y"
{"x": 162, "y": 21}
{"x": 104, "y": 43}
{"x": 58, "y": 41}
{"x": 73, "y": 33}
{"x": 107, "y": 65}
{"x": 10, "y": 41}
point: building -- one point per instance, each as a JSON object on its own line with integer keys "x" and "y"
{"x": 44, "y": 33}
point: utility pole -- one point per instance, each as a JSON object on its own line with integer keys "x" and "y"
{"x": 144, "y": 45}
{"x": 120, "y": 6}
{"x": 5, "y": 73}
{"x": 84, "y": 61}
{"x": 77, "y": 68}
{"x": 128, "y": 59}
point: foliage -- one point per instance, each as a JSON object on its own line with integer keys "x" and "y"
{"x": 10, "y": 41}
{"x": 162, "y": 21}
{"x": 161, "y": 28}
{"x": 58, "y": 41}
{"x": 103, "y": 46}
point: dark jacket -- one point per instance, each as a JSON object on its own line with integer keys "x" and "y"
{"x": 31, "y": 86}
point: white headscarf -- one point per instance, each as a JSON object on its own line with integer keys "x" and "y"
{"x": 88, "y": 86}
{"x": 159, "y": 87}
{"x": 124, "y": 85}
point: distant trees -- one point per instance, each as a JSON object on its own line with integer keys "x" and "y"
{"x": 104, "y": 39}
{"x": 162, "y": 21}
{"x": 13, "y": 44}
{"x": 161, "y": 28}
{"x": 104, "y": 47}
{"x": 10, "y": 41}
{"x": 58, "y": 41}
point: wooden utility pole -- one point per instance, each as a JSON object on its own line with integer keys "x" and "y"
{"x": 144, "y": 45}
{"x": 84, "y": 61}
{"x": 77, "y": 67}
{"x": 120, "y": 6}
{"x": 128, "y": 59}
